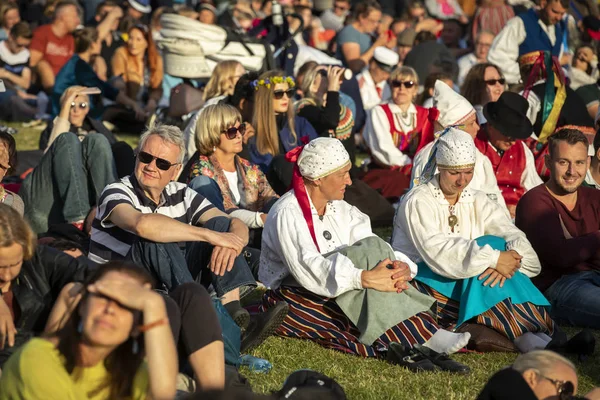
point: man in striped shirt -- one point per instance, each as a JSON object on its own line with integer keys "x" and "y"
{"x": 145, "y": 216}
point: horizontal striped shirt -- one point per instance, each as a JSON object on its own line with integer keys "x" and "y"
{"x": 109, "y": 242}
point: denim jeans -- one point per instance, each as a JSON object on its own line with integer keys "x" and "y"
{"x": 68, "y": 180}
{"x": 209, "y": 189}
{"x": 172, "y": 266}
{"x": 575, "y": 299}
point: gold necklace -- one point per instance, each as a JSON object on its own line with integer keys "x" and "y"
{"x": 452, "y": 219}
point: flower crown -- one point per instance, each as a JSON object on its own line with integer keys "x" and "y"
{"x": 273, "y": 81}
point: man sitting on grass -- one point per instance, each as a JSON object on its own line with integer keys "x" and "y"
{"x": 320, "y": 256}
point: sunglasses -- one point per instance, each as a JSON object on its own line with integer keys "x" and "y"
{"x": 492, "y": 82}
{"x": 565, "y": 389}
{"x": 407, "y": 84}
{"x": 83, "y": 105}
{"x": 232, "y": 132}
{"x": 161, "y": 163}
{"x": 278, "y": 94}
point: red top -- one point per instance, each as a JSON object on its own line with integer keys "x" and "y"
{"x": 57, "y": 51}
{"x": 411, "y": 142}
{"x": 508, "y": 168}
{"x": 538, "y": 216}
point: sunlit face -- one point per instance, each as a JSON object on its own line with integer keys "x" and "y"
{"x": 498, "y": 140}
{"x": 417, "y": 13}
{"x": 583, "y": 54}
{"x": 11, "y": 260}
{"x": 207, "y": 17}
{"x": 333, "y": 186}
{"x": 552, "y": 12}
{"x": 79, "y": 109}
{"x": 568, "y": 166}
{"x": 341, "y": 8}
{"x": 494, "y": 91}
{"x": 149, "y": 176}
{"x": 471, "y": 126}
{"x": 16, "y": 45}
{"x": 11, "y": 18}
{"x": 454, "y": 181}
{"x": 231, "y": 146}
{"x": 105, "y": 322}
{"x": 401, "y": 94}
{"x": 545, "y": 389}
{"x": 482, "y": 45}
{"x": 370, "y": 23}
{"x": 281, "y": 105}
{"x": 137, "y": 43}
{"x": 70, "y": 17}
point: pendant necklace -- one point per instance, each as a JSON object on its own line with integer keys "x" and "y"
{"x": 406, "y": 119}
{"x": 452, "y": 219}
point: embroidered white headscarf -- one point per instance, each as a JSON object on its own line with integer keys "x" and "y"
{"x": 454, "y": 109}
{"x": 456, "y": 150}
{"x": 321, "y": 157}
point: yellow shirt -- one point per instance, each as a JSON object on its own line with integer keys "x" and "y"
{"x": 36, "y": 371}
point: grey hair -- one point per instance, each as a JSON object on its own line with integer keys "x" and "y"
{"x": 168, "y": 133}
{"x": 541, "y": 361}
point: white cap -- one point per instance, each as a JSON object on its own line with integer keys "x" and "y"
{"x": 142, "y": 6}
{"x": 455, "y": 150}
{"x": 386, "y": 58}
{"x": 454, "y": 109}
{"x": 321, "y": 157}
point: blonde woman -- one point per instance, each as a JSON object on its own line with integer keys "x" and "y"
{"x": 278, "y": 129}
{"x": 231, "y": 183}
{"x": 394, "y": 133}
{"x": 220, "y": 85}
{"x": 223, "y": 80}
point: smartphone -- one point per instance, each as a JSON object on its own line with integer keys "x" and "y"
{"x": 2, "y": 87}
{"x": 91, "y": 90}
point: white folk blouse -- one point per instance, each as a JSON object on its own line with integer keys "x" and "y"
{"x": 422, "y": 232}
{"x": 288, "y": 248}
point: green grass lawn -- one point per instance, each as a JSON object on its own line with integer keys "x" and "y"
{"x": 368, "y": 379}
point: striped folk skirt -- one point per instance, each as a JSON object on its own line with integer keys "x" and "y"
{"x": 511, "y": 320}
{"x": 321, "y": 320}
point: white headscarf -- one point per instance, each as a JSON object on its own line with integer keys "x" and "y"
{"x": 454, "y": 109}
{"x": 321, "y": 157}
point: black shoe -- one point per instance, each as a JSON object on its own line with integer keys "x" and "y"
{"x": 263, "y": 325}
{"x": 408, "y": 358}
{"x": 583, "y": 345}
{"x": 442, "y": 360}
{"x": 241, "y": 317}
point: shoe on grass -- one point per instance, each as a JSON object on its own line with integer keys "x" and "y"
{"x": 263, "y": 325}
{"x": 410, "y": 359}
{"x": 442, "y": 360}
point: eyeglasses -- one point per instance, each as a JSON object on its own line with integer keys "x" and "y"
{"x": 82, "y": 106}
{"x": 565, "y": 389}
{"x": 161, "y": 163}
{"x": 492, "y": 82}
{"x": 406, "y": 84}
{"x": 232, "y": 132}
{"x": 278, "y": 94}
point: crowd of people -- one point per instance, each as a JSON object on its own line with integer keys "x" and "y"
{"x": 469, "y": 128}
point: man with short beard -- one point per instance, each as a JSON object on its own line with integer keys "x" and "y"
{"x": 562, "y": 221}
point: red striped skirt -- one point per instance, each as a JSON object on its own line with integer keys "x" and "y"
{"x": 321, "y": 320}
{"x": 511, "y": 320}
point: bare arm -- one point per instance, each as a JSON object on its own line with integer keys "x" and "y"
{"x": 35, "y": 57}
{"x": 23, "y": 80}
{"x": 105, "y": 26}
{"x": 66, "y": 302}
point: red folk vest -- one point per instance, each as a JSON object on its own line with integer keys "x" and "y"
{"x": 508, "y": 168}
{"x": 411, "y": 142}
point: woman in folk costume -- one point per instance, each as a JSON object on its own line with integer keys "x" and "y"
{"x": 320, "y": 256}
{"x": 395, "y": 132}
{"x": 471, "y": 257}
{"x": 455, "y": 111}
{"x": 552, "y": 104}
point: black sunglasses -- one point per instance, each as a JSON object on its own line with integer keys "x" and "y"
{"x": 493, "y": 82}
{"x": 278, "y": 94}
{"x": 407, "y": 84}
{"x": 231, "y": 133}
{"x": 161, "y": 163}
{"x": 565, "y": 388}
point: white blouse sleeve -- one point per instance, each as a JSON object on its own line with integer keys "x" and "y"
{"x": 251, "y": 219}
{"x": 453, "y": 257}
{"x": 498, "y": 224}
{"x": 325, "y": 276}
{"x": 530, "y": 177}
{"x": 505, "y": 49}
{"x": 379, "y": 140}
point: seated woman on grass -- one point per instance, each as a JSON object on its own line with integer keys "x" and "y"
{"x": 320, "y": 256}
{"x": 473, "y": 260}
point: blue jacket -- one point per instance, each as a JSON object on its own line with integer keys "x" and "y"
{"x": 537, "y": 39}
{"x": 303, "y": 128}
